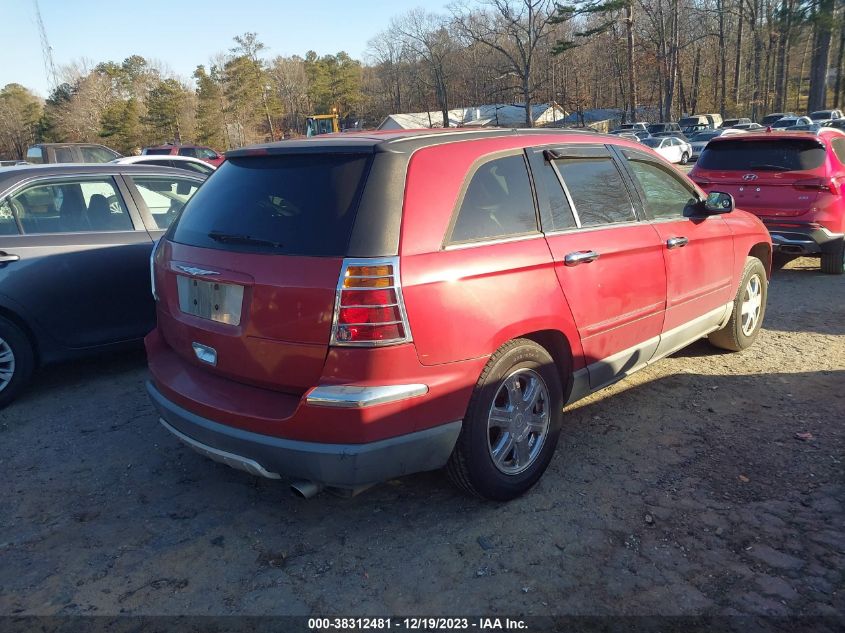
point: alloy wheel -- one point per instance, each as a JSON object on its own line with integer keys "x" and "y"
{"x": 752, "y": 304}
{"x": 518, "y": 421}
{"x": 7, "y": 364}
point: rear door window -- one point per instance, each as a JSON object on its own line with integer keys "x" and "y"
{"x": 161, "y": 151}
{"x": 763, "y": 155}
{"x": 597, "y": 190}
{"x": 165, "y": 196}
{"x": 188, "y": 151}
{"x": 498, "y": 202}
{"x": 302, "y": 204}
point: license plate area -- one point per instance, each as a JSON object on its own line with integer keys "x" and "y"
{"x": 210, "y": 300}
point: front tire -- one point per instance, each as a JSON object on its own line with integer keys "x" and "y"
{"x": 16, "y": 361}
{"x": 684, "y": 158}
{"x": 833, "y": 261}
{"x": 512, "y": 424}
{"x": 749, "y": 308}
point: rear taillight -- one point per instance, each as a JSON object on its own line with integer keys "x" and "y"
{"x": 369, "y": 309}
{"x": 816, "y": 184}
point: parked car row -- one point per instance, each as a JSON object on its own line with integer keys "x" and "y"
{"x": 92, "y": 153}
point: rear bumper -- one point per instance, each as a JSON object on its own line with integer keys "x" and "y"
{"x": 801, "y": 240}
{"x": 339, "y": 465}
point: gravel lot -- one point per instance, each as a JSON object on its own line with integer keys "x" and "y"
{"x": 689, "y": 488}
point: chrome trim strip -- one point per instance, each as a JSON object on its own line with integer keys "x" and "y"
{"x": 355, "y": 397}
{"x": 230, "y": 459}
{"x": 503, "y": 240}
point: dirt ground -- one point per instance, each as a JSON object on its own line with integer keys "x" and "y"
{"x": 689, "y": 488}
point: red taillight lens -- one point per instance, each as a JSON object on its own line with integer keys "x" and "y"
{"x": 370, "y": 309}
{"x": 825, "y": 185}
{"x": 376, "y": 314}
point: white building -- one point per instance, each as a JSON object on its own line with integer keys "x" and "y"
{"x": 495, "y": 114}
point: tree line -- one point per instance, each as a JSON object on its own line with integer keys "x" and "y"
{"x": 665, "y": 57}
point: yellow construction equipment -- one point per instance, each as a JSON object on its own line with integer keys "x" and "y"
{"x": 322, "y": 124}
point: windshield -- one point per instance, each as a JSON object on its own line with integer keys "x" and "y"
{"x": 785, "y": 123}
{"x": 821, "y": 114}
{"x": 763, "y": 155}
{"x": 302, "y": 204}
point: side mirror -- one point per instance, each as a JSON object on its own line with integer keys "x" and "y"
{"x": 718, "y": 202}
{"x": 715, "y": 203}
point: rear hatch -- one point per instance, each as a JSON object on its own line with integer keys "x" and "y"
{"x": 775, "y": 177}
{"x": 247, "y": 275}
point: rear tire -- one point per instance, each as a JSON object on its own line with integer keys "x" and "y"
{"x": 833, "y": 261}
{"x": 749, "y": 309}
{"x": 512, "y": 424}
{"x": 17, "y": 361}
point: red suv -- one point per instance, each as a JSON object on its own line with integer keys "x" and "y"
{"x": 795, "y": 183}
{"x": 345, "y": 310}
{"x": 192, "y": 151}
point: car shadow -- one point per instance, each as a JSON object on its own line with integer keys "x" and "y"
{"x": 78, "y": 373}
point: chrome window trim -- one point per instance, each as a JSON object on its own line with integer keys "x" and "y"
{"x": 600, "y": 227}
{"x": 502, "y": 240}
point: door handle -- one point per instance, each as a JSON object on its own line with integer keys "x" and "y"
{"x": 580, "y": 257}
{"x": 5, "y": 258}
{"x": 676, "y": 242}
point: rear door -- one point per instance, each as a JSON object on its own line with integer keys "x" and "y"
{"x": 765, "y": 175}
{"x": 699, "y": 252}
{"x": 82, "y": 267}
{"x": 250, "y": 268}
{"x": 608, "y": 262}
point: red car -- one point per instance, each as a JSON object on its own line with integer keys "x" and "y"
{"x": 345, "y": 310}
{"x": 192, "y": 151}
{"x": 793, "y": 181}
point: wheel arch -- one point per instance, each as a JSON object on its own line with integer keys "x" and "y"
{"x": 763, "y": 252}
{"x": 19, "y": 321}
{"x": 557, "y": 345}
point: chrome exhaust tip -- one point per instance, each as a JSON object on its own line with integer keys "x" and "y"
{"x": 305, "y": 489}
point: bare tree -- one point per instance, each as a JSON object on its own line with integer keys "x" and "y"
{"x": 426, "y": 36}
{"x": 514, "y": 29}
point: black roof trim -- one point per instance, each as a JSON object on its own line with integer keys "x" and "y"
{"x": 401, "y": 142}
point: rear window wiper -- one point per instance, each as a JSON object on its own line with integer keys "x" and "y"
{"x": 769, "y": 167}
{"x": 232, "y": 238}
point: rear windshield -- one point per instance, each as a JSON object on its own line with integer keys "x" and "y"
{"x": 775, "y": 155}
{"x": 302, "y": 204}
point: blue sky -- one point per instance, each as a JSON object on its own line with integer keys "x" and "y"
{"x": 182, "y": 34}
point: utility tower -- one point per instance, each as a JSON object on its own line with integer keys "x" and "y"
{"x": 46, "y": 51}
